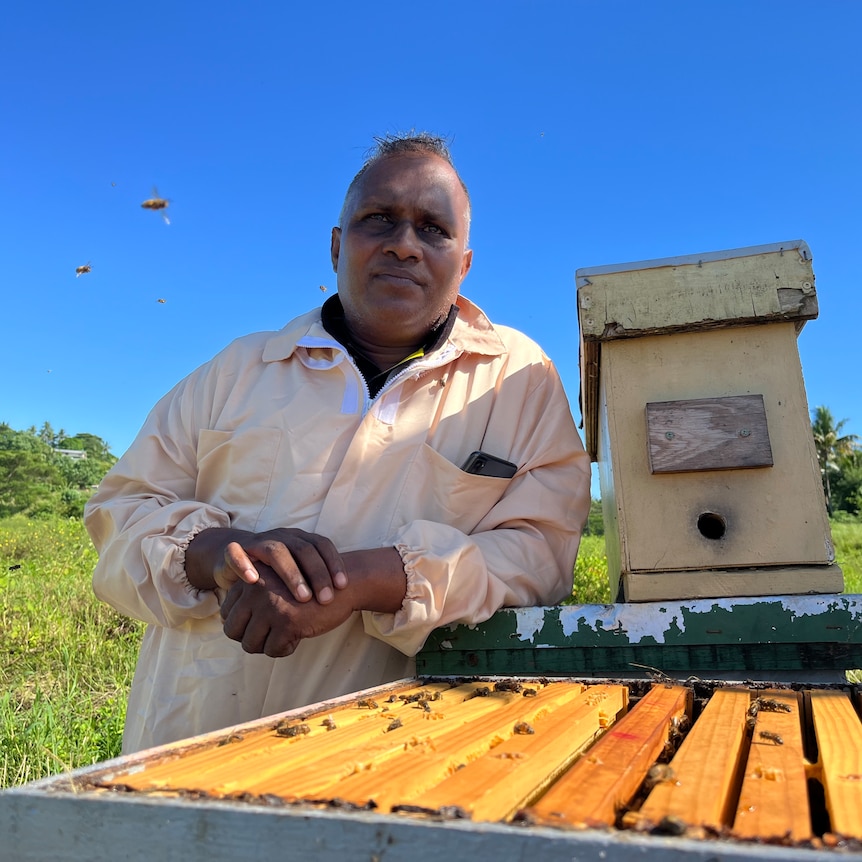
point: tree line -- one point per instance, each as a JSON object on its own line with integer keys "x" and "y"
{"x": 40, "y": 478}
{"x": 840, "y": 459}
{"x": 42, "y": 473}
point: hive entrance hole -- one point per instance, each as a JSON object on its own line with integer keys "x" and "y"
{"x": 711, "y": 526}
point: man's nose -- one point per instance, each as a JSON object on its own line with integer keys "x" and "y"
{"x": 403, "y": 241}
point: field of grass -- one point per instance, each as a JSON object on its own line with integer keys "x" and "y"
{"x": 66, "y": 659}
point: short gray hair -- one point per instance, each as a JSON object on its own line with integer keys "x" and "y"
{"x": 423, "y": 143}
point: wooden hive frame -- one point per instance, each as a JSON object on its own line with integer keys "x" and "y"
{"x": 220, "y": 795}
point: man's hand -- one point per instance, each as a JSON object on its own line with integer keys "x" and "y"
{"x": 266, "y": 617}
{"x": 307, "y": 564}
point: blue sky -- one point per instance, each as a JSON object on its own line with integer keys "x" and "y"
{"x": 589, "y": 133}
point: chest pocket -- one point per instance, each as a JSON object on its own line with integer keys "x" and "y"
{"x": 437, "y": 490}
{"x": 235, "y": 471}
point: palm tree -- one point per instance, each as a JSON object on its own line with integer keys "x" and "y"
{"x": 830, "y": 447}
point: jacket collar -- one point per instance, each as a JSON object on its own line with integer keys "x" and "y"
{"x": 472, "y": 333}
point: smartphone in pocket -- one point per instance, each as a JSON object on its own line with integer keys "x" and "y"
{"x": 483, "y": 464}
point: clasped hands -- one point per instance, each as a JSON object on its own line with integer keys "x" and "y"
{"x": 284, "y": 585}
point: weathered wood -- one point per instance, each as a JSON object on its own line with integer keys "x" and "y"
{"x": 739, "y": 286}
{"x": 708, "y": 434}
{"x": 39, "y": 823}
{"x": 839, "y": 742}
{"x": 773, "y": 803}
{"x": 720, "y": 583}
{"x": 771, "y": 517}
{"x": 756, "y": 638}
{"x": 606, "y": 778}
{"x": 688, "y": 490}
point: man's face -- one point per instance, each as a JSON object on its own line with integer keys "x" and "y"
{"x": 401, "y": 252}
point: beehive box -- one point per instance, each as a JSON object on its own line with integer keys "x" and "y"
{"x": 496, "y": 768}
{"x": 695, "y": 410}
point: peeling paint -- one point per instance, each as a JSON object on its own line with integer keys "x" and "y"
{"x": 529, "y": 623}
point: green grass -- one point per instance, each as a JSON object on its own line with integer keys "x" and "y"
{"x": 66, "y": 659}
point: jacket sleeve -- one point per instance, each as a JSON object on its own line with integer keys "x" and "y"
{"x": 144, "y": 515}
{"x": 521, "y": 553}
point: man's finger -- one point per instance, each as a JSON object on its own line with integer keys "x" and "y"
{"x": 239, "y": 562}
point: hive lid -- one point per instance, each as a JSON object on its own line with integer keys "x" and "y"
{"x": 688, "y": 293}
{"x": 697, "y": 291}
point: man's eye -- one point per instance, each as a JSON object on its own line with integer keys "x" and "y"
{"x": 433, "y": 228}
{"x": 376, "y": 217}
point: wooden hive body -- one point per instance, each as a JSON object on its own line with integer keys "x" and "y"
{"x": 695, "y": 410}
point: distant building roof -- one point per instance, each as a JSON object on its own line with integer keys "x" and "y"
{"x": 74, "y": 454}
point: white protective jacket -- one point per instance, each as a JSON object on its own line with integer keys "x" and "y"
{"x": 278, "y": 430}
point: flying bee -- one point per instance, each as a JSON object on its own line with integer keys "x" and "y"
{"x": 81, "y": 270}
{"x": 162, "y": 301}
{"x": 323, "y": 288}
{"x": 156, "y": 204}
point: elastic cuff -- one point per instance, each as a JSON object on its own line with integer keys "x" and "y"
{"x": 182, "y": 547}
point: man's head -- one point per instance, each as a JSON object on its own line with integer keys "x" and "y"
{"x": 422, "y": 143}
{"x": 400, "y": 250}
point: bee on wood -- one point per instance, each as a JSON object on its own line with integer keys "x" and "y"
{"x": 529, "y": 692}
{"x": 424, "y": 705}
{"x": 771, "y": 737}
{"x": 234, "y": 737}
{"x": 670, "y": 824}
{"x": 82, "y": 270}
{"x": 329, "y": 723}
{"x": 393, "y": 698}
{"x": 481, "y": 691}
{"x": 284, "y": 728}
{"x": 366, "y": 703}
{"x": 507, "y": 685}
{"x": 766, "y": 704}
{"x": 157, "y": 204}
{"x": 523, "y": 728}
{"x": 394, "y": 724}
{"x": 658, "y": 772}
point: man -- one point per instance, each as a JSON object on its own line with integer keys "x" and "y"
{"x": 293, "y": 518}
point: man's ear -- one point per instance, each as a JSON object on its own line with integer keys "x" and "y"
{"x": 466, "y": 263}
{"x": 335, "y": 247}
